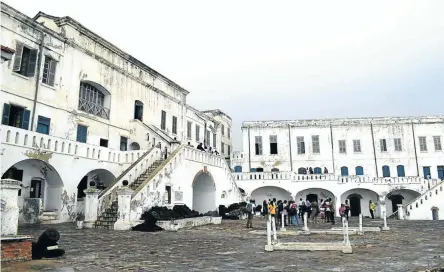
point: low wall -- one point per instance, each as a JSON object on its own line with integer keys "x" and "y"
{"x": 16, "y": 248}
{"x": 188, "y": 223}
{"x": 31, "y": 211}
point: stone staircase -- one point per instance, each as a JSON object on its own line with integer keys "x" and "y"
{"x": 48, "y": 218}
{"x": 145, "y": 175}
{"x": 107, "y": 219}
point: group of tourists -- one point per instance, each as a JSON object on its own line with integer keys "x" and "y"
{"x": 203, "y": 148}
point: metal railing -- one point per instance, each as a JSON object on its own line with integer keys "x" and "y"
{"x": 89, "y": 107}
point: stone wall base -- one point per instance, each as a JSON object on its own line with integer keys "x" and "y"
{"x": 16, "y": 248}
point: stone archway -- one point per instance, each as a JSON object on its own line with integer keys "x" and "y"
{"x": 315, "y": 194}
{"x": 399, "y": 196}
{"x": 204, "y": 192}
{"x": 102, "y": 178}
{"x": 435, "y": 213}
{"x": 269, "y": 192}
{"x": 41, "y": 186}
{"x": 134, "y": 146}
{"x": 359, "y": 200}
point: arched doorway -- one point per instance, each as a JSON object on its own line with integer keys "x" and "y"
{"x": 355, "y": 204}
{"x": 396, "y": 199}
{"x": 312, "y": 197}
{"x": 204, "y": 192}
{"x": 359, "y": 200}
{"x": 102, "y": 178}
{"x": 41, "y": 184}
{"x": 315, "y": 194}
{"x": 399, "y": 196}
{"x": 270, "y": 192}
{"x": 134, "y": 146}
{"x": 435, "y": 215}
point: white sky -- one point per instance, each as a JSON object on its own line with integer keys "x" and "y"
{"x": 264, "y": 60}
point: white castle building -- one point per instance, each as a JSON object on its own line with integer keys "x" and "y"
{"x": 75, "y": 109}
{"x": 391, "y": 161}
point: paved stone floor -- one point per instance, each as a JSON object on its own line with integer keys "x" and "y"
{"x": 408, "y": 246}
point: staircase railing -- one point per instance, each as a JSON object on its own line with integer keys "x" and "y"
{"x": 410, "y": 206}
{"x": 130, "y": 174}
{"x": 236, "y": 195}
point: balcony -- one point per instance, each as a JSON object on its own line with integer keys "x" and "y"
{"x": 92, "y": 108}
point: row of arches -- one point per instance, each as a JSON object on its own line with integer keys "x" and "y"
{"x": 358, "y": 198}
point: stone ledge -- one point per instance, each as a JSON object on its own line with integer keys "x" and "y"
{"x": 178, "y": 224}
{"x": 312, "y": 231}
{"x": 364, "y": 229}
{"x": 300, "y": 246}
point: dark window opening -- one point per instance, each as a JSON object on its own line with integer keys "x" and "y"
{"x": 82, "y": 133}
{"x": 259, "y": 169}
{"x": 36, "y": 188}
{"x": 49, "y": 69}
{"x": 123, "y": 143}
{"x": 138, "y": 110}
{"x": 104, "y": 142}
{"x": 15, "y": 116}
{"x": 168, "y": 191}
{"x": 174, "y": 127}
{"x": 43, "y": 125}
{"x": 25, "y": 60}
{"x": 163, "y": 120}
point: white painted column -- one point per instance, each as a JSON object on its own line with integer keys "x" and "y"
{"x": 91, "y": 206}
{"x": 400, "y": 212}
{"x": 283, "y": 222}
{"x": 273, "y": 226}
{"x": 124, "y": 208}
{"x": 346, "y": 248}
{"x": 384, "y": 214}
{"x": 360, "y": 232}
{"x": 9, "y": 208}
{"x": 305, "y": 223}
{"x": 269, "y": 246}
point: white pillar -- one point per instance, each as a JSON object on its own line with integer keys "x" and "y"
{"x": 269, "y": 246}
{"x": 273, "y": 226}
{"x": 283, "y": 222}
{"x": 400, "y": 212}
{"x": 91, "y": 206}
{"x": 360, "y": 232}
{"x": 9, "y": 209}
{"x": 305, "y": 223}
{"x": 124, "y": 208}
{"x": 346, "y": 248}
{"x": 384, "y": 214}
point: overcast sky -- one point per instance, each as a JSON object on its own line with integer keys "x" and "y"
{"x": 264, "y": 60}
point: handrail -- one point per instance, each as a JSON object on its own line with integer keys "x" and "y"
{"x": 156, "y": 171}
{"x": 426, "y": 192}
{"x": 116, "y": 180}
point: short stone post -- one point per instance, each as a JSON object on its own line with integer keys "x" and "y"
{"x": 124, "y": 207}
{"x": 400, "y": 212}
{"x": 91, "y": 205}
{"x": 273, "y": 226}
{"x": 346, "y": 247}
{"x": 283, "y": 223}
{"x": 361, "y": 231}
{"x": 269, "y": 246}
{"x": 384, "y": 214}
{"x": 305, "y": 229}
{"x": 9, "y": 209}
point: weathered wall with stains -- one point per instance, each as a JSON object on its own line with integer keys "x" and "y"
{"x": 354, "y": 130}
{"x": 222, "y": 136}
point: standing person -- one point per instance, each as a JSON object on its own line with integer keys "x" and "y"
{"x": 301, "y": 207}
{"x": 342, "y": 212}
{"x": 285, "y": 212}
{"x": 308, "y": 208}
{"x": 372, "y": 208}
{"x": 347, "y": 208}
{"x": 314, "y": 211}
{"x": 327, "y": 210}
{"x": 294, "y": 213}
{"x": 272, "y": 208}
{"x": 265, "y": 208}
{"x": 250, "y": 211}
{"x": 332, "y": 210}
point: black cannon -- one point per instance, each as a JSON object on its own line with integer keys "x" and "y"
{"x": 47, "y": 246}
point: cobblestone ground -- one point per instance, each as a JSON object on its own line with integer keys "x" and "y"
{"x": 408, "y": 246}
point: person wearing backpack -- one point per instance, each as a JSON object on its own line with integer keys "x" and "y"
{"x": 250, "y": 210}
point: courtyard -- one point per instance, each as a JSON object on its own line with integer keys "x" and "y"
{"x": 408, "y": 246}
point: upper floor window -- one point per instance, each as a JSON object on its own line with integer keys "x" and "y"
{"x": 82, "y": 133}
{"x": 357, "y": 146}
{"x": 398, "y": 145}
{"x": 189, "y": 125}
{"x": 207, "y": 138}
{"x": 174, "y": 127}
{"x": 229, "y": 150}
{"x": 49, "y": 69}
{"x": 214, "y": 140}
{"x": 15, "y": 116}
{"x": 25, "y": 60}
{"x": 43, "y": 124}
{"x": 315, "y": 143}
{"x": 273, "y": 145}
{"x": 223, "y": 129}
{"x": 138, "y": 110}
{"x": 163, "y": 120}
{"x": 422, "y": 144}
{"x": 258, "y": 145}
{"x": 437, "y": 143}
{"x": 383, "y": 145}
{"x": 301, "y": 144}
{"x": 342, "y": 146}
{"x": 197, "y": 133}
{"x": 228, "y": 133}
{"x": 94, "y": 99}
{"x": 222, "y": 148}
